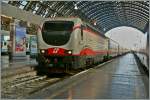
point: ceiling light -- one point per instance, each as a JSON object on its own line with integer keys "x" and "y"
{"x": 75, "y": 7}
{"x": 104, "y": 29}
{"x": 95, "y": 23}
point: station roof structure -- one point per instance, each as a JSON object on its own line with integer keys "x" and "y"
{"x": 106, "y": 14}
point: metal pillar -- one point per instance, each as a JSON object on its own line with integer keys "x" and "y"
{"x": 147, "y": 48}
{"x": 147, "y": 43}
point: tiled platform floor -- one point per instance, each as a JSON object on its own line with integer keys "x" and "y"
{"x": 120, "y": 79}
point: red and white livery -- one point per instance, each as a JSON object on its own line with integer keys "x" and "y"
{"x": 71, "y": 43}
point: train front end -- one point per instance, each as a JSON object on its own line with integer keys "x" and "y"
{"x": 55, "y": 46}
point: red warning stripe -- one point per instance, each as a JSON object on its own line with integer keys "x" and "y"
{"x": 78, "y": 26}
{"x": 84, "y": 52}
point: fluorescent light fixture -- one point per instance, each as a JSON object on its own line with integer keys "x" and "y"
{"x": 75, "y": 7}
{"x": 104, "y": 29}
{"x": 95, "y": 23}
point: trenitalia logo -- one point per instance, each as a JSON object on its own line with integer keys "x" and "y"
{"x": 55, "y": 50}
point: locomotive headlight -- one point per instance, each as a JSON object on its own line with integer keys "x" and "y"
{"x": 69, "y": 52}
{"x": 42, "y": 51}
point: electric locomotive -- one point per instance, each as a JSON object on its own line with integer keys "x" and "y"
{"x": 70, "y": 43}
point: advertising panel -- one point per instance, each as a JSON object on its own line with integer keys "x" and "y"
{"x": 20, "y": 43}
{"x": 33, "y": 45}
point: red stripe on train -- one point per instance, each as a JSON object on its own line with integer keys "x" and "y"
{"x": 78, "y": 26}
{"x": 84, "y": 52}
{"x": 87, "y": 51}
{"x": 56, "y": 51}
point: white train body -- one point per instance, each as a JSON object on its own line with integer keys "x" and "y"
{"x": 113, "y": 48}
{"x": 72, "y": 42}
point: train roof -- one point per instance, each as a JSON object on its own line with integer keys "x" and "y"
{"x": 63, "y": 18}
{"x": 79, "y": 20}
{"x": 113, "y": 41}
{"x": 97, "y": 30}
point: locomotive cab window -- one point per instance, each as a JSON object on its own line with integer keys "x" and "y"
{"x": 57, "y": 32}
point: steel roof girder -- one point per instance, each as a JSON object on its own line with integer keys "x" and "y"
{"x": 102, "y": 13}
{"x": 108, "y": 23}
{"x": 90, "y": 6}
{"x": 106, "y": 18}
{"x": 113, "y": 14}
{"x": 105, "y": 22}
{"x": 103, "y": 7}
{"x": 90, "y": 11}
{"x": 138, "y": 10}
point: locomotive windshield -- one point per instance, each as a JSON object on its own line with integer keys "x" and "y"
{"x": 57, "y": 32}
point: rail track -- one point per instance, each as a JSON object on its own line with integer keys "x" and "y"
{"x": 26, "y": 85}
{"x": 23, "y": 82}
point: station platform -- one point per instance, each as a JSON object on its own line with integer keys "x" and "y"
{"x": 119, "y": 79}
{"x": 9, "y": 68}
{"x": 6, "y": 64}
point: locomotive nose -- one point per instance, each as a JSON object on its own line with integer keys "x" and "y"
{"x": 59, "y": 51}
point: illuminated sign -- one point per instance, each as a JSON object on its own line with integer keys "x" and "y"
{"x": 20, "y": 44}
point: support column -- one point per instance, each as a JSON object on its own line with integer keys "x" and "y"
{"x": 147, "y": 47}
{"x": 147, "y": 42}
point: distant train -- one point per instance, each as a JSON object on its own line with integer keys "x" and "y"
{"x": 70, "y": 43}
